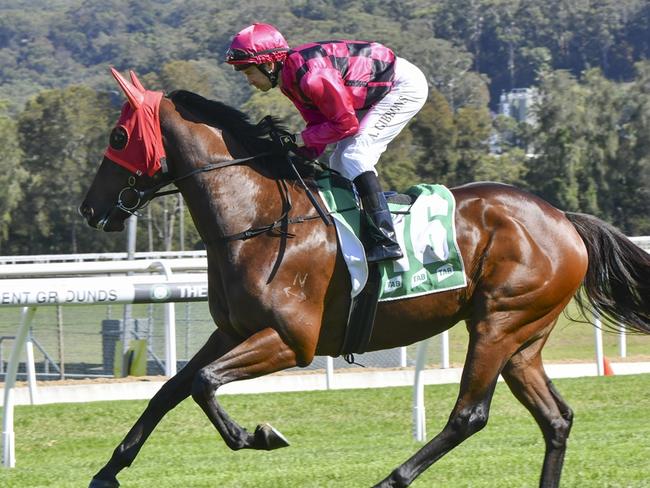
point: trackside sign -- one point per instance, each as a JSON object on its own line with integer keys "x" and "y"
{"x": 84, "y": 291}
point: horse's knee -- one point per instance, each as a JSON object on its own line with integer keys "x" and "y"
{"x": 204, "y": 384}
{"x": 560, "y": 428}
{"x": 470, "y": 420}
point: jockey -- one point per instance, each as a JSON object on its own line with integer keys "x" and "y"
{"x": 355, "y": 94}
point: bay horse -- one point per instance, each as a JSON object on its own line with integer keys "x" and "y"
{"x": 279, "y": 290}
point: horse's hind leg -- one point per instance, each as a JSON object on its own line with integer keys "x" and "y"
{"x": 485, "y": 357}
{"x": 263, "y": 353}
{"x": 175, "y": 390}
{"x": 527, "y": 380}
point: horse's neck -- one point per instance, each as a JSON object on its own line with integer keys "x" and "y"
{"x": 222, "y": 202}
{"x": 227, "y": 201}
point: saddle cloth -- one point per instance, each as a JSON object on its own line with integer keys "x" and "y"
{"x": 424, "y": 228}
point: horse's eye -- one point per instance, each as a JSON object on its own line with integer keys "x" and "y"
{"x": 119, "y": 138}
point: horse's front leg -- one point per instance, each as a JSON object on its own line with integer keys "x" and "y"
{"x": 174, "y": 391}
{"x": 263, "y": 353}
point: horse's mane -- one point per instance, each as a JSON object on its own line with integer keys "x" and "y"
{"x": 255, "y": 137}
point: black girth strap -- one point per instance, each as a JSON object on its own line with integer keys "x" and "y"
{"x": 362, "y": 316}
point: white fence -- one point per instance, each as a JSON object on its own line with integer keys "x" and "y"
{"x": 30, "y": 293}
{"x": 29, "y": 283}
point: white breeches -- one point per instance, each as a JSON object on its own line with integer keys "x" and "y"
{"x": 382, "y": 122}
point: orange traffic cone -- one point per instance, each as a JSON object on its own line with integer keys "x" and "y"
{"x": 607, "y": 367}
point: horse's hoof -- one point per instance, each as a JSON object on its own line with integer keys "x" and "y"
{"x": 267, "y": 438}
{"x": 99, "y": 483}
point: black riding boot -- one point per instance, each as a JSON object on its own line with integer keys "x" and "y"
{"x": 379, "y": 233}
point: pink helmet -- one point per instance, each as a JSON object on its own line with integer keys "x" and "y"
{"x": 257, "y": 44}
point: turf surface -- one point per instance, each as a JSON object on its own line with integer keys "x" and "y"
{"x": 340, "y": 439}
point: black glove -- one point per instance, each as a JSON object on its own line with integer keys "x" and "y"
{"x": 288, "y": 141}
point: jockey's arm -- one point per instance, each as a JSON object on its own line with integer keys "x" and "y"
{"x": 326, "y": 90}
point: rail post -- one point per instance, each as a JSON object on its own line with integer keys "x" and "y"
{"x": 170, "y": 324}
{"x": 8, "y": 435}
{"x": 419, "y": 415}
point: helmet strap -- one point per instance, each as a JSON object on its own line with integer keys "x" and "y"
{"x": 272, "y": 75}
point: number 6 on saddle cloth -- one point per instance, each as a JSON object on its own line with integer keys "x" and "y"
{"x": 424, "y": 227}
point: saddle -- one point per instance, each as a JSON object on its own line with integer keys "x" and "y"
{"x": 424, "y": 224}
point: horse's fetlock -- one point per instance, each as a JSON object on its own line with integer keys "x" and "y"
{"x": 104, "y": 478}
{"x": 398, "y": 479}
{"x": 237, "y": 443}
{"x": 97, "y": 482}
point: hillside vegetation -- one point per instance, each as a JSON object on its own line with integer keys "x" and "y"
{"x": 589, "y": 150}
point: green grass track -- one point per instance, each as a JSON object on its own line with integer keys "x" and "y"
{"x": 340, "y": 439}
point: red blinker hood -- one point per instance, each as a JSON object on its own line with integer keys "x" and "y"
{"x": 144, "y": 151}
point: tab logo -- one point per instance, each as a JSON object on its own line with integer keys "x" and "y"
{"x": 444, "y": 272}
{"x": 419, "y": 278}
{"x": 393, "y": 284}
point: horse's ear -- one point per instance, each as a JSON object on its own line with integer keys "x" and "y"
{"x": 135, "y": 81}
{"x": 133, "y": 94}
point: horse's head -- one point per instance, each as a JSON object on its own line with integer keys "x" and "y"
{"x": 132, "y": 161}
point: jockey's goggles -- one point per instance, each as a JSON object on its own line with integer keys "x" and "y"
{"x": 239, "y": 56}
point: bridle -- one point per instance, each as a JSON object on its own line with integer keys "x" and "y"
{"x": 130, "y": 199}
{"x": 143, "y": 197}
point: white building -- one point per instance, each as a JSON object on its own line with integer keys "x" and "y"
{"x": 518, "y": 104}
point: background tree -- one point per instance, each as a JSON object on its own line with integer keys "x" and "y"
{"x": 397, "y": 166}
{"x": 186, "y": 75}
{"x": 629, "y": 175}
{"x": 601, "y": 119}
{"x": 589, "y": 151}
{"x": 62, "y": 134}
{"x": 435, "y": 134}
{"x": 555, "y": 168}
{"x": 592, "y": 147}
{"x": 273, "y": 102}
{"x": 509, "y": 167}
{"x": 474, "y": 127}
{"x": 12, "y": 175}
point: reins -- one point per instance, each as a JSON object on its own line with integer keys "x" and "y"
{"x": 143, "y": 197}
{"x": 154, "y": 192}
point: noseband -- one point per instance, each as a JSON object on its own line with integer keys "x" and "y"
{"x": 139, "y": 196}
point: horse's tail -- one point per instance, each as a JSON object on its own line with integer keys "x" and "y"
{"x": 617, "y": 283}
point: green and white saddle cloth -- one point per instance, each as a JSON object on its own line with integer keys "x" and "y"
{"x": 425, "y": 231}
